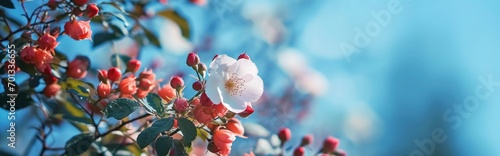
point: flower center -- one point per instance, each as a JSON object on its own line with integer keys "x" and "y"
{"x": 234, "y": 85}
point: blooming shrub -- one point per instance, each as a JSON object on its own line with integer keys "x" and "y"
{"x": 167, "y": 121}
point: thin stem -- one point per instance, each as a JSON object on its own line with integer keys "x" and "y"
{"x": 121, "y": 125}
{"x": 96, "y": 133}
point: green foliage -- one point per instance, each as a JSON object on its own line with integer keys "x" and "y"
{"x": 188, "y": 130}
{"x": 78, "y": 144}
{"x": 120, "y": 108}
{"x": 7, "y": 4}
{"x": 149, "y": 134}
{"x": 154, "y": 101}
{"x": 163, "y": 145}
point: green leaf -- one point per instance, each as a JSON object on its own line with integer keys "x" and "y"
{"x": 178, "y": 19}
{"x": 120, "y": 108}
{"x": 188, "y": 130}
{"x": 79, "y": 87}
{"x": 78, "y": 144}
{"x": 100, "y": 38}
{"x": 123, "y": 58}
{"x": 151, "y": 37}
{"x": 149, "y": 134}
{"x": 7, "y": 4}
{"x": 119, "y": 30}
{"x": 163, "y": 145}
{"x": 179, "y": 148}
{"x": 154, "y": 100}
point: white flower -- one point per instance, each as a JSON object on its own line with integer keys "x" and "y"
{"x": 233, "y": 83}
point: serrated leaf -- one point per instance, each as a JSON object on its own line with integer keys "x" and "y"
{"x": 188, "y": 130}
{"x": 149, "y": 134}
{"x": 123, "y": 58}
{"x": 7, "y": 4}
{"x": 151, "y": 37}
{"x": 120, "y": 108}
{"x": 163, "y": 145}
{"x": 78, "y": 144}
{"x": 178, "y": 19}
{"x": 154, "y": 100}
{"x": 102, "y": 37}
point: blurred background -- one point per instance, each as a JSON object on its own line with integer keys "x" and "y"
{"x": 383, "y": 76}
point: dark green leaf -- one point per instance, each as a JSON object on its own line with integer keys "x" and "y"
{"x": 81, "y": 88}
{"x": 179, "y": 148}
{"x": 7, "y": 4}
{"x": 120, "y": 108}
{"x": 123, "y": 58}
{"x": 78, "y": 144}
{"x": 154, "y": 101}
{"x": 119, "y": 30}
{"x": 100, "y": 38}
{"x": 188, "y": 130}
{"x": 163, "y": 145}
{"x": 121, "y": 18}
{"x": 152, "y": 38}
{"x": 149, "y": 134}
{"x": 174, "y": 16}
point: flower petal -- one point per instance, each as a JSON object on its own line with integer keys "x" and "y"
{"x": 233, "y": 103}
{"x": 212, "y": 88}
{"x": 221, "y": 64}
{"x": 243, "y": 67}
{"x": 254, "y": 88}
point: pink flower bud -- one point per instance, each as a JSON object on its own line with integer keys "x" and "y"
{"x": 244, "y": 56}
{"x": 52, "y": 4}
{"x": 180, "y": 105}
{"x": 306, "y": 140}
{"x": 80, "y": 2}
{"x": 284, "y": 134}
{"x": 78, "y": 30}
{"x": 51, "y": 90}
{"x": 127, "y": 86}
{"x": 202, "y": 68}
{"x": 27, "y": 54}
{"x": 247, "y": 112}
{"x": 77, "y": 68}
{"x": 47, "y": 42}
{"x": 114, "y": 74}
{"x": 91, "y": 10}
{"x": 176, "y": 82}
{"x": 133, "y": 65}
{"x": 167, "y": 93}
{"x": 199, "y": 2}
{"x": 299, "y": 151}
{"x": 192, "y": 59}
{"x": 145, "y": 84}
{"x": 330, "y": 144}
{"x": 197, "y": 86}
{"x": 234, "y": 125}
{"x": 103, "y": 90}
{"x": 102, "y": 75}
{"x": 223, "y": 139}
